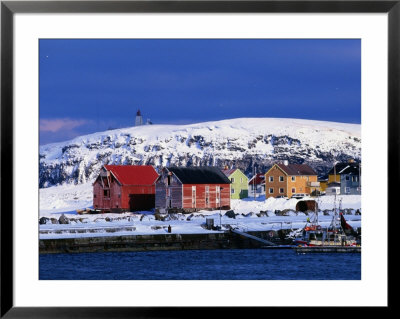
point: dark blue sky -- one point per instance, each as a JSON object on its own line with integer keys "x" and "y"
{"x": 92, "y": 85}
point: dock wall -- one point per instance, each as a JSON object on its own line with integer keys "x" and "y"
{"x": 216, "y": 240}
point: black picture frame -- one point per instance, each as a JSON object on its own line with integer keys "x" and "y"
{"x": 9, "y": 8}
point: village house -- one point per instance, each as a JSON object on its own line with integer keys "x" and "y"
{"x": 350, "y": 180}
{"x": 338, "y": 169}
{"x": 191, "y": 189}
{"x": 287, "y": 180}
{"x": 239, "y": 181}
{"x": 347, "y": 176}
{"x": 257, "y": 185}
{"x": 120, "y": 188}
{"x": 333, "y": 188}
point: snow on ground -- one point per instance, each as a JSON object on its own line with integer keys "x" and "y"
{"x": 66, "y": 199}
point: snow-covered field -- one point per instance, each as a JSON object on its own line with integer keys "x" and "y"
{"x": 65, "y": 199}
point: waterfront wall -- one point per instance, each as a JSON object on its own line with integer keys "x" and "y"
{"x": 154, "y": 242}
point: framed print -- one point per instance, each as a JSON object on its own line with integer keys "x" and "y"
{"x": 163, "y": 155}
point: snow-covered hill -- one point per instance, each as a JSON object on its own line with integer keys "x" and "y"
{"x": 243, "y": 142}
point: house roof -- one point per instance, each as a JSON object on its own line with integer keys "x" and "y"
{"x": 344, "y": 168}
{"x": 323, "y": 178}
{"x": 229, "y": 172}
{"x": 133, "y": 174}
{"x": 200, "y": 175}
{"x": 296, "y": 169}
{"x": 334, "y": 184}
{"x": 350, "y": 169}
{"x": 259, "y": 179}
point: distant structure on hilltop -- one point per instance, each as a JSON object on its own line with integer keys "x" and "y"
{"x": 139, "y": 119}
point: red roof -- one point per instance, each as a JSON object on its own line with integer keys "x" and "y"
{"x": 259, "y": 179}
{"x": 228, "y": 172}
{"x": 133, "y": 174}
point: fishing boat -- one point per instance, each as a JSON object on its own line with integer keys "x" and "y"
{"x": 338, "y": 233}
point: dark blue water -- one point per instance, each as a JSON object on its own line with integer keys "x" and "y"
{"x": 242, "y": 264}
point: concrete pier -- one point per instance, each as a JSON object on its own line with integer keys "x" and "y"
{"x": 217, "y": 240}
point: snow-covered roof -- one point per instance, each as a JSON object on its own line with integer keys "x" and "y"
{"x": 344, "y": 168}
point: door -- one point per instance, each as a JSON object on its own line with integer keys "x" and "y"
{"x": 141, "y": 202}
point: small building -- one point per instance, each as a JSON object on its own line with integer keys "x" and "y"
{"x": 120, "y": 188}
{"x": 333, "y": 188}
{"x": 138, "y": 119}
{"x": 347, "y": 175}
{"x": 338, "y": 169}
{"x": 350, "y": 180}
{"x": 284, "y": 179}
{"x": 257, "y": 185}
{"x": 239, "y": 181}
{"x": 192, "y": 188}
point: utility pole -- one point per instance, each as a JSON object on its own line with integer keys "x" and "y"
{"x": 334, "y": 170}
{"x": 254, "y": 182}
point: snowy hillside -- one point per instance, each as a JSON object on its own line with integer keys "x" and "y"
{"x": 243, "y": 142}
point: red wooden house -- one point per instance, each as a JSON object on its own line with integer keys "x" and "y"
{"x": 192, "y": 188}
{"x": 120, "y": 188}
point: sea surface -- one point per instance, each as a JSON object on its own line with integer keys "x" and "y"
{"x": 235, "y": 264}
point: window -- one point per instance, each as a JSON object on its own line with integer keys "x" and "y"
{"x": 106, "y": 193}
{"x": 263, "y": 187}
{"x": 119, "y": 195}
{"x": 281, "y": 190}
{"x": 169, "y": 180}
{"x": 232, "y": 179}
{"x": 281, "y": 178}
{"x": 293, "y": 178}
{"x": 232, "y": 191}
{"x": 271, "y": 190}
{"x": 355, "y": 178}
{"x": 347, "y": 190}
{"x": 94, "y": 195}
{"x": 293, "y": 190}
{"x": 241, "y": 179}
{"x": 271, "y": 178}
{"x": 347, "y": 178}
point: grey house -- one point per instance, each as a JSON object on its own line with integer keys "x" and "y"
{"x": 350, "y": 179}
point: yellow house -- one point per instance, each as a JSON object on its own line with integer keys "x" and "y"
{"x": 290, "y": 179}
